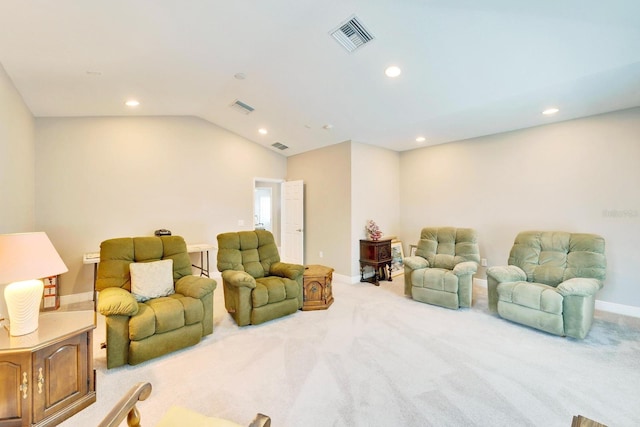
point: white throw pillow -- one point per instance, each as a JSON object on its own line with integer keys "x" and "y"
{"x": 151, "y": 279}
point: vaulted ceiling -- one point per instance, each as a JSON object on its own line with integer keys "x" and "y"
{"x": 469, "y": 67}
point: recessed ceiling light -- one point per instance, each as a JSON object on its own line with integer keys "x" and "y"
{"x": 262, "y": 131}
{"x": 132, "y": 103}
{"x": 550, "y": 111}
{"x": 393, "y": 71}
{"x": 421, "y": 139}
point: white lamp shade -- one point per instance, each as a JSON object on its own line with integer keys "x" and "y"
{"x": 25, "y": 258}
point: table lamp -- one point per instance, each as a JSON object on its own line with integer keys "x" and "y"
{"x": 25, "y": 259}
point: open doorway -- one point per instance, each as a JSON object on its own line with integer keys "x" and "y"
{"x": 263, "y": 207}
{"x": 266, "y": 206}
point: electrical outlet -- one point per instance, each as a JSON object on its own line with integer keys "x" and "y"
{"x": 483, "y": 262}
{"x": 321, "y": 254}
{"x": 241, "y": 222}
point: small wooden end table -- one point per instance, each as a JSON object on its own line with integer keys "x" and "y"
{"x": 317, "y": 287}
{"x": 376, "y": 254}
{"x": 47, "y": 376}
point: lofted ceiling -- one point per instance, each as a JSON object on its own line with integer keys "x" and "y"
{"x": 469, "y": 67}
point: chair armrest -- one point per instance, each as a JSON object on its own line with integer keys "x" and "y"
{"x": 239, "y": 279}
{"x": 261, "y": 420}
{"x": 465, "y": 268}
{"x": 507, "y": 273}
{"x": 126, "y": 407}
{"x": 415, "y": 262}
{"x": 579, "y": 286}
{"x": 501, "y": 274}
{"x": 117, "y": 301}
{"x": 195, "y": 286}
{"x": 283, "y": 269}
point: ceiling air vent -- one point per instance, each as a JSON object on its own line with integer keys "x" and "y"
{"x": 242, "y": 107}
{"x": 279, "y": 146}
{"x": 352, "y": 34}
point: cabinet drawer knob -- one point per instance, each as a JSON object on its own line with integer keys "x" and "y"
{"x": 25, "y": 385}
{"x": 40, "y": 381}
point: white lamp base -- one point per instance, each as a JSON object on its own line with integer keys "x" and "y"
{"x": 23, "y": 306}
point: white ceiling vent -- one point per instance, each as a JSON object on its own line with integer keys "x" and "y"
{"x": 352, "y": 34}
{"x": 279, "y": 146}
{"x": 242, "y": 107}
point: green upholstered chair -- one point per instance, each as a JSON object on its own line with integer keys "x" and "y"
{"x": 551, "y": 281}
{"x": 441, "y": 272}
{"x": 140, "y": 327}
{"x": 257, "y": 286}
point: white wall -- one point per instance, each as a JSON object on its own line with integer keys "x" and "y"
{"x": 17, "y": 160}
{"x": 99, "y": 178}
{"x": 326, "y": 173}
{"x": 345, "y": 185}
{"x": 580, "y": 175}
{"x": 375, "y": 185}
{"x": 17, "y": 166}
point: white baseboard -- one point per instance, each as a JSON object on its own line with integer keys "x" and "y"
{"x": 612, "y": 307}
{"x": 349, "y": 279}
{"x": 625, "y": 310}
{"x": 74, "y": 298}
{"x": 345, "y": 279}
{"x": 480, "y": 282}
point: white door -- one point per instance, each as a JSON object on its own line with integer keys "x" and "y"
{"x": 292, "y": 222}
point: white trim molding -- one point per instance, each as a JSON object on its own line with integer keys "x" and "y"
{"x": 480, "y": 282}
{"x": 612, "y": 307}
{"x": 74, "y": 298}
{"x": 345, "y": 279}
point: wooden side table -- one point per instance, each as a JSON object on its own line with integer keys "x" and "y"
{"x": 317, "y": 287}
{"x": 47, "y": 376}
{"x": 377, "y": 254}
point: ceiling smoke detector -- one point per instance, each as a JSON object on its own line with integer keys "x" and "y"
{"x": 242, "y": 107}
{"x": 279, "y": 146}
{"x": 352, "y": 34}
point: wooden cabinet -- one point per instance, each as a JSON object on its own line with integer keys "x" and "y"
{"x": 376, "y": 254}
{"x": 47, "y": 376}
{"x": 15, "y": 377}
{"x": 317, "y": 287}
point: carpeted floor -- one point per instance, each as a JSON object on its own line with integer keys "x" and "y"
{"x": 376, "y": 358}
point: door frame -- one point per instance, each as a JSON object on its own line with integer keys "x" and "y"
{"x": 256, "y": 180}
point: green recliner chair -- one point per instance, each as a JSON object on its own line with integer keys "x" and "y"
{"x": 257, "y": 286}
{"x": 441, "y": 272}
{"x": 152, "y": 302}
{"x": 551, "y": 281}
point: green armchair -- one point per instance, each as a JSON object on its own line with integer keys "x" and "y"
{"x": 550, "y": 281}
{"x": 144, "y": 320}
{"x": 441, "y": 272}
{"x": 257, "y": 286}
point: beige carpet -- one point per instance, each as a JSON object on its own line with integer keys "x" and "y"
{"x": 376, "y": 358}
